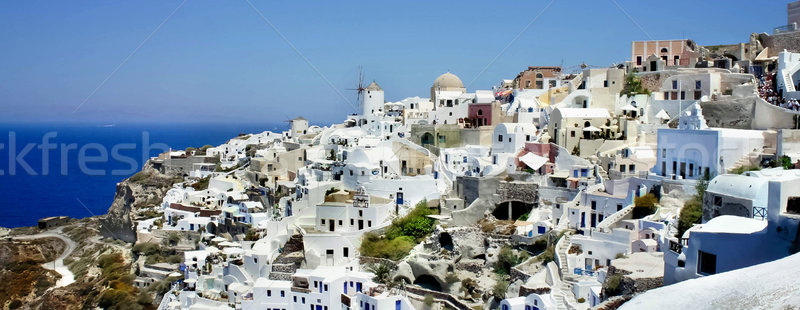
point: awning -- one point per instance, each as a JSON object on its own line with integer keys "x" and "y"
{"x": 533, "y": 161}
{"x": 662, "y": 115}
{"x": 592, "y": 128}
{"x": 628, "y": 107}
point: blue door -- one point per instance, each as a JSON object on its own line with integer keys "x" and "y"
{"x": 319, "y": 307}
{"x": 397, "y": 305}
{"x": 541, "y": 230}
{"x": 345, "y": 287}
{"x": 358, "y": 287}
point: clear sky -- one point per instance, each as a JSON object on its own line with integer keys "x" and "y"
{"x": 218, "y": 61}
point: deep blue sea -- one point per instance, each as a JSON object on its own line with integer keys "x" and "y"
{"x": 73, "y": 169}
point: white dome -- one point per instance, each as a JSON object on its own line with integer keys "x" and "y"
{"x": 448, "y": 80}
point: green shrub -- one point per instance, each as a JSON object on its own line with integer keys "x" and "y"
{"x": 644, "y": 206}
{"x": 547, "y": 255}
{"x": 428, "y": 300}
{"x": 581, "y": 300}
{"x": 499, "y": 290}
{"x": 506, "y": 259}
{"x": 691, "y": 213}
{"x": 611, "y": 285}
{"x": 451, "y": 278}
{"x": 744, "y": 169}
{"x": 401, "y": 236}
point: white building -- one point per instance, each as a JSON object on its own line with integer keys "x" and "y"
{"x": 693, "y": 149}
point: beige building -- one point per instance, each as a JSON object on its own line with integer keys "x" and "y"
{"x": 672, "y": 52}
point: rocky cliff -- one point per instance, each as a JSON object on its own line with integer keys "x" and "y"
{"x": 144, "y": 189}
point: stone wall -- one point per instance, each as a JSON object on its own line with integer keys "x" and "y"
{"x": 518, "y": 191}
{"x": 778, "y": 42}
{"x": 525, "y": 291}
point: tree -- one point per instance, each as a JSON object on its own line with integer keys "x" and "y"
{"x": 633, "y": 86}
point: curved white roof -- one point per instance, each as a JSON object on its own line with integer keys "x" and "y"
{"x": 742, "y": 186}
{"x": 732, "y": 224}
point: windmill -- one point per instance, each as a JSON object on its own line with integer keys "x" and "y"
{"x": 360, "y": 87}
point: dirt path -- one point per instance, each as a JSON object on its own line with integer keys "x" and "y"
{"x": 67, "y": 277}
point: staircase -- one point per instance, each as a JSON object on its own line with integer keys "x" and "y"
{"x": 787, "y": 80}
{"x": 287, "y": 263}
{"x": 613, "y": 219}
{"x": 565, "y": 299}
{"x": 750, "y": 160}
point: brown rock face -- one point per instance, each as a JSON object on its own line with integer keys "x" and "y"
{"x": 144, "y": 189}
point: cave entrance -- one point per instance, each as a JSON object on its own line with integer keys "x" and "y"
{"x": 446, "y": 241}
{"x": 211, "y": 228}
{"x": 511, "y": 210}
{"x": 429, "y": 282}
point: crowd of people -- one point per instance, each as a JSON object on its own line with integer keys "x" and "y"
{"x": 768, "y": 92}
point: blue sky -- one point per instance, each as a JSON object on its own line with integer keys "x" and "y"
{"x": 217, "y": 61}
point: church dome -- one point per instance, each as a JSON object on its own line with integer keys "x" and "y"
{"x": 447, "y": 81}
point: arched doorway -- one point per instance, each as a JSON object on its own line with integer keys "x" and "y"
{"x": 427, "y": 139}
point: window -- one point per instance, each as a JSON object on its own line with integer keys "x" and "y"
{"x": 346, "y": 252}
{"x": 499, "y": 138}
{"x": 707, "y": 263}
{"x": 622, "y": 168}
{"x": 717, "y": 201}
{"x": 619, "y": 206}
{"x": 322, "y": 221}
{"x": 283, "y": 293}
{"x": 638, "y": 60}
{"x": 683, "y": 95}
{"x": 677, "y": 60}
{"x": 294, "y": 299}
{"x": 352, "y": 222}
{"x": 527, "y": 137}
{"x": 698, "y": 94}
{"x": 605, "y": 83}
{"x": 340, "y": 222}
{"x": 793, "y": 205}
{"x": 674, "y": 84}
{"x": 326, "y": 287}
{"x": 632, "y": 168}
{"x": 572, "y": 134}
{"x": 594, "y": 205}
{"x": 269, "y": 293}
{"x": 698, "y": 84}
{"x": 369, "y": 223}
{"x": 664, "y": 50}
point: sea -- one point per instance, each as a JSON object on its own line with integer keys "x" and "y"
{"x": 72, "y": 169}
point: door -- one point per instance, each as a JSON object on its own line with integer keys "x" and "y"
{"x": 360, "y": 224}
{"x": 683, "y": 170}
{"x": 331, "y": 225}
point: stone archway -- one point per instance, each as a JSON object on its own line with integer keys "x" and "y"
{"x": 429, "y": 282}
{"x": 427, "y": 139}
{"x": 511, "y": 210}
{"x": 446, "y": 241}
{"x": 211, "y": 228}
